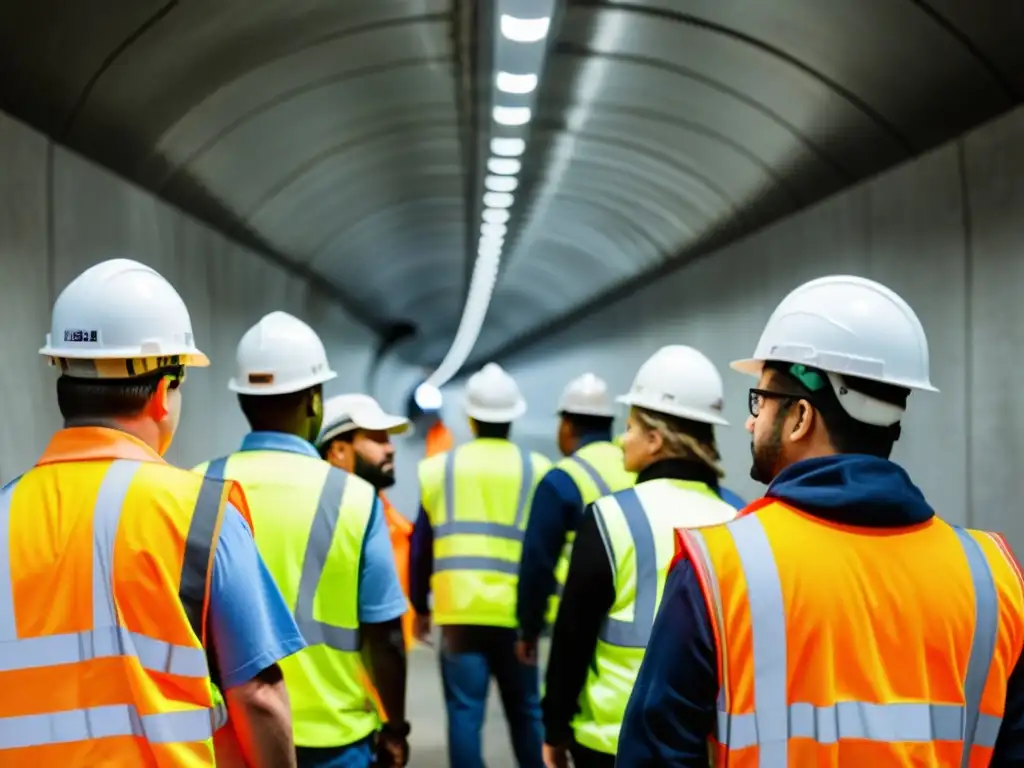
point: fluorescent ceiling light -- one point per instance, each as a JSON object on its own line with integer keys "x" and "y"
{"x": 508, "y": 147}
{"x": 498, "y": 199}
{"x": 490, "y": 243}
{"x": 503, "y": 166}
{"x": 511, "y": 115}
{"x": 510, "y": 83}
{"x": 525, "y": 30}
{"x": 493, "y": 230}
{"x": 496, "y": 215}
{"x": 501, "y": 183}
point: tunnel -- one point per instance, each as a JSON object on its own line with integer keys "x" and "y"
{"x": 657, "y": 172}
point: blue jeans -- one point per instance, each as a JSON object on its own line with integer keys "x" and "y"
{"x": 466, "y": 675}
{"x": 358, "y": 755}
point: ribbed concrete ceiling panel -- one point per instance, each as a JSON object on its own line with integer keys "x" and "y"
{"x": 349, "y": 139}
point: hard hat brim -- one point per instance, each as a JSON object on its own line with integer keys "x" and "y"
{"x": 749, "y": 366}
{"x": 692, "y": 414}
{"x": 281, "y": 389}
{"x": 496, "y": 415}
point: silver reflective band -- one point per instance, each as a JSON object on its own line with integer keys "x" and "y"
{"x": 321, "y": 536}
{"x": 888, "y": 723}
{"x": 452, "y": 526}
{"x": 107, "y": 639}
{"x": 104, "y": 722}
{"x": 636, "y": 633}
{"x": 219, "y": 717}
{"x": 592, "y": 473}
{"x": 775, "y": 721}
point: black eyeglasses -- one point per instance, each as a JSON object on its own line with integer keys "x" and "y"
{"x": 758, "y": 396}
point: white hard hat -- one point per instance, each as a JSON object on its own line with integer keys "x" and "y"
{"x": 493, "y": 396}
{"x": 586, "y": 395}
{"x": 845, "y": 325}
{"x": 345, "y": 413}
{"x": 278, "y": 355}
{"x": 679, "y": 381}
{"x": 120, "y": 319}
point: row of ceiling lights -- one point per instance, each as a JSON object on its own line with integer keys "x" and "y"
{"x": 500, "y": 183}
{"x": 503, "y": 165}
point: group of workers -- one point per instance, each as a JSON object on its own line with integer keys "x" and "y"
{"x": 250, "y": 611}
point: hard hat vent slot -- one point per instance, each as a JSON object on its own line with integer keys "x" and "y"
{"x": 261, "y": 378}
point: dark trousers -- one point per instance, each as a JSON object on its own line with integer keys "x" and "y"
{"x": 470, "y": 657}
{"x": 582, "y": 757}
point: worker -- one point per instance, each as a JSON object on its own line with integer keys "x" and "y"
{"x": 356, "y": 437}
{"x": 466, "y": 545}
{"x": 322, "y": 533}
{"x": 592, "y": 467}
{"x": 839, "y": 621}
{"x": 623, "y": 550}
{"x": 133, "y": 595}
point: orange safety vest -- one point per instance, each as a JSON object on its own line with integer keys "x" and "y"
{"x": 401, "y": 534}
{"x": 846, "y": 646}
{"x": 102, "y": 621}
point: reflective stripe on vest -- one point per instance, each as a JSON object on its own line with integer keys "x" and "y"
{"x": 636, "y": 633}
{"x": 318, "y": 546}
{"x": 107, "y": 638}
{"x": 774, "y": 722}
{"x": 452, "y": 526}
{"x": 592, "y": 473}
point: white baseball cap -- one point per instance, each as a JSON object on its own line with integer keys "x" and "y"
{"x": 345, "y": 413}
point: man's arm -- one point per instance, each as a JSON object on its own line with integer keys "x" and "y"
{"x": 381, "y": 607}
{"x": 588, "y": 596}
{"x": 250, "y": 630}
{"x": 671, "y": 711}
{"x": 556, "y": 509}
{"x": 1009, "y": 749}
{"x": 421, "y": 563}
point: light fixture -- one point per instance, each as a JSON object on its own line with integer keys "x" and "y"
{"x": 428, "y": 397}
{"x": 501, "y": 183}
{"x": 491, "y": 242}
{"x": 508, "y": 147}
{"x": 495, "y": 215}
{"x": 493, "y": 230}
{"x": 503, "y": 166}
{"x": 511, "y": 115}
{"x": 498, "y": 199}
{"x": 524, "y": 30}
{"x": 519, "y": 84}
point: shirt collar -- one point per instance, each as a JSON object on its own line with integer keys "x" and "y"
{"x": 589, "y": 438}
{"x": 96, "y": 444}
{"x": 278, "y": 441}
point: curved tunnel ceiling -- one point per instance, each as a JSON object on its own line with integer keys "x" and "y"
{"x": 345, "y": 139}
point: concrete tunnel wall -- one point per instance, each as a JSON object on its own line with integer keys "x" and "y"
{"x": 946, "y": 231}
{"x": 59, "y": 214}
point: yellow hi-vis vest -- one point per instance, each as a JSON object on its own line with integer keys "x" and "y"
{"x": 310, "y": 520}
{"x": 597, "y": 471}
{"x": 477, "y": 498}
{"x": 638, "y": 526}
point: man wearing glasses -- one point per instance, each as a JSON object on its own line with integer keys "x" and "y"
{"x": 838, "y": 620}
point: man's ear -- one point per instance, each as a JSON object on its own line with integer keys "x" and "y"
{"x": 158, "y": 407}
{"x": 803, "y": 425}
